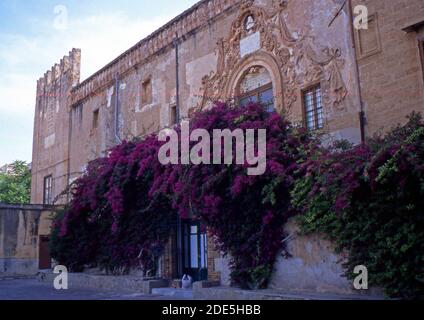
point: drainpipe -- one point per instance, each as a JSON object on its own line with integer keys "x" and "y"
{"x": 177, "y": 107}
{"x": 177, "y": 78}
{"x": 117, "y": 111}
{"x": 69, "y": 153}
{"x": 362, "y": 118}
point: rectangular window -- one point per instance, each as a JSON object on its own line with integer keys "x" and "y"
{"x": 146, "y": 93}
{"x": 368, "y": 42}
{"x": 77, "y": 115}
{"x": 313, "y": 108}
{"x": 95, "y": 119}
{"x": 421, "y": 44}
{"x": 48, "y": 190}
{"x": 172, "y": 115}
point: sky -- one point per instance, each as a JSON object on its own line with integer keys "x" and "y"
{"x": 36, "y": 34}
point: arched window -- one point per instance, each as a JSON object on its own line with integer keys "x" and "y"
{"x": 256, "y": 86}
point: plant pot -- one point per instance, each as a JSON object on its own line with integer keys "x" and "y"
{"x": 186, "y": 282}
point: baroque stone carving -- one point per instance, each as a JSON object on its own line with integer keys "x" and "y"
{"x": 299, "y": 60}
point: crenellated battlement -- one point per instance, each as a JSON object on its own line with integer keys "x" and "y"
{"x": 69, "y": 65}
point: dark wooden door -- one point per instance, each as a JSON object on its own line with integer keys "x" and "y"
{"x": 44, "y": 259}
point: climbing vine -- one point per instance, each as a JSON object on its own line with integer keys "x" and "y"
{"x": 116, "y": 220}
{"x": 125, "y": 206}
{"x": 244, "y": 213}
{"x": 369, "y": 200}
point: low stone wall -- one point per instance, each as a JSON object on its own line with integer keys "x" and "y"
{"x": 108, "y": 283}
{"x": 20, "y": 229}
{"x": 313, "y": 266}
{"x": 18, "y": 266}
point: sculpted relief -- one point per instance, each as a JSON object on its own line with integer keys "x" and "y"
{"x": 298, "y": 60}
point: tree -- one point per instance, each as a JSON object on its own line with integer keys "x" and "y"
{"x": 15, "y": 187}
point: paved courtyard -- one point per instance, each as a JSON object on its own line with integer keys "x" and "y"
{"x": 32, "y": 289}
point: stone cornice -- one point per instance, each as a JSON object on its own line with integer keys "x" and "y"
{"x": 28, "y": 207}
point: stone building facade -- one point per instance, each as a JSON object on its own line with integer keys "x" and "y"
{"x": 303, "y": 58}
{"x": 23, "y": 231}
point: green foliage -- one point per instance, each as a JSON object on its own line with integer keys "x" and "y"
{"x": 15, "y": 188}
{"x": 370, "y": 201}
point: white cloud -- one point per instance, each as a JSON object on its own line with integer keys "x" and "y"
{"x": 25, "y": 58}
{"x": 101, "y": 39}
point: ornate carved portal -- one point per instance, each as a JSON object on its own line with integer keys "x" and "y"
{"x": 292, "y": 61}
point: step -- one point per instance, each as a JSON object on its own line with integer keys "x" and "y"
{"x": 176, "y": 283}
{"x": 106, "y": 282}
{"x": 229, "y": 293}
{"x": 174, "y": 293}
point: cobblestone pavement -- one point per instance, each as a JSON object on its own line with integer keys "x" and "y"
{"x": 32, "y": 289}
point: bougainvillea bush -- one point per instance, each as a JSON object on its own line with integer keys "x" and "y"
{"x": 115, "y": 221}
{"x": 124, "y": 207}
{"x": 370, "y": 200}
{"x": 244, "y": 213}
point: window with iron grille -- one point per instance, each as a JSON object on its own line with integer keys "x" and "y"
{"x": 313, "y": 108}
{"x": 48, "y": 190}
{"x": 263, "y": 95}
{"x": 256, "y": 87}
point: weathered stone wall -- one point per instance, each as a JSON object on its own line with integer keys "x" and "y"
{"x": 215, "y": 52}
{"x": 51, "y": 126}
{"x": 168, "y": 262}
{"x": 214, "y": 273}
{"x": 389, "y": 62}
{"x": 293, "y": 40}
{"x": 313, "y": 266}
{"x": 20, "y": 229}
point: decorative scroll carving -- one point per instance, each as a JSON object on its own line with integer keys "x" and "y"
{"x": 299, "y": 60}
{"x": 327, "y": 63}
